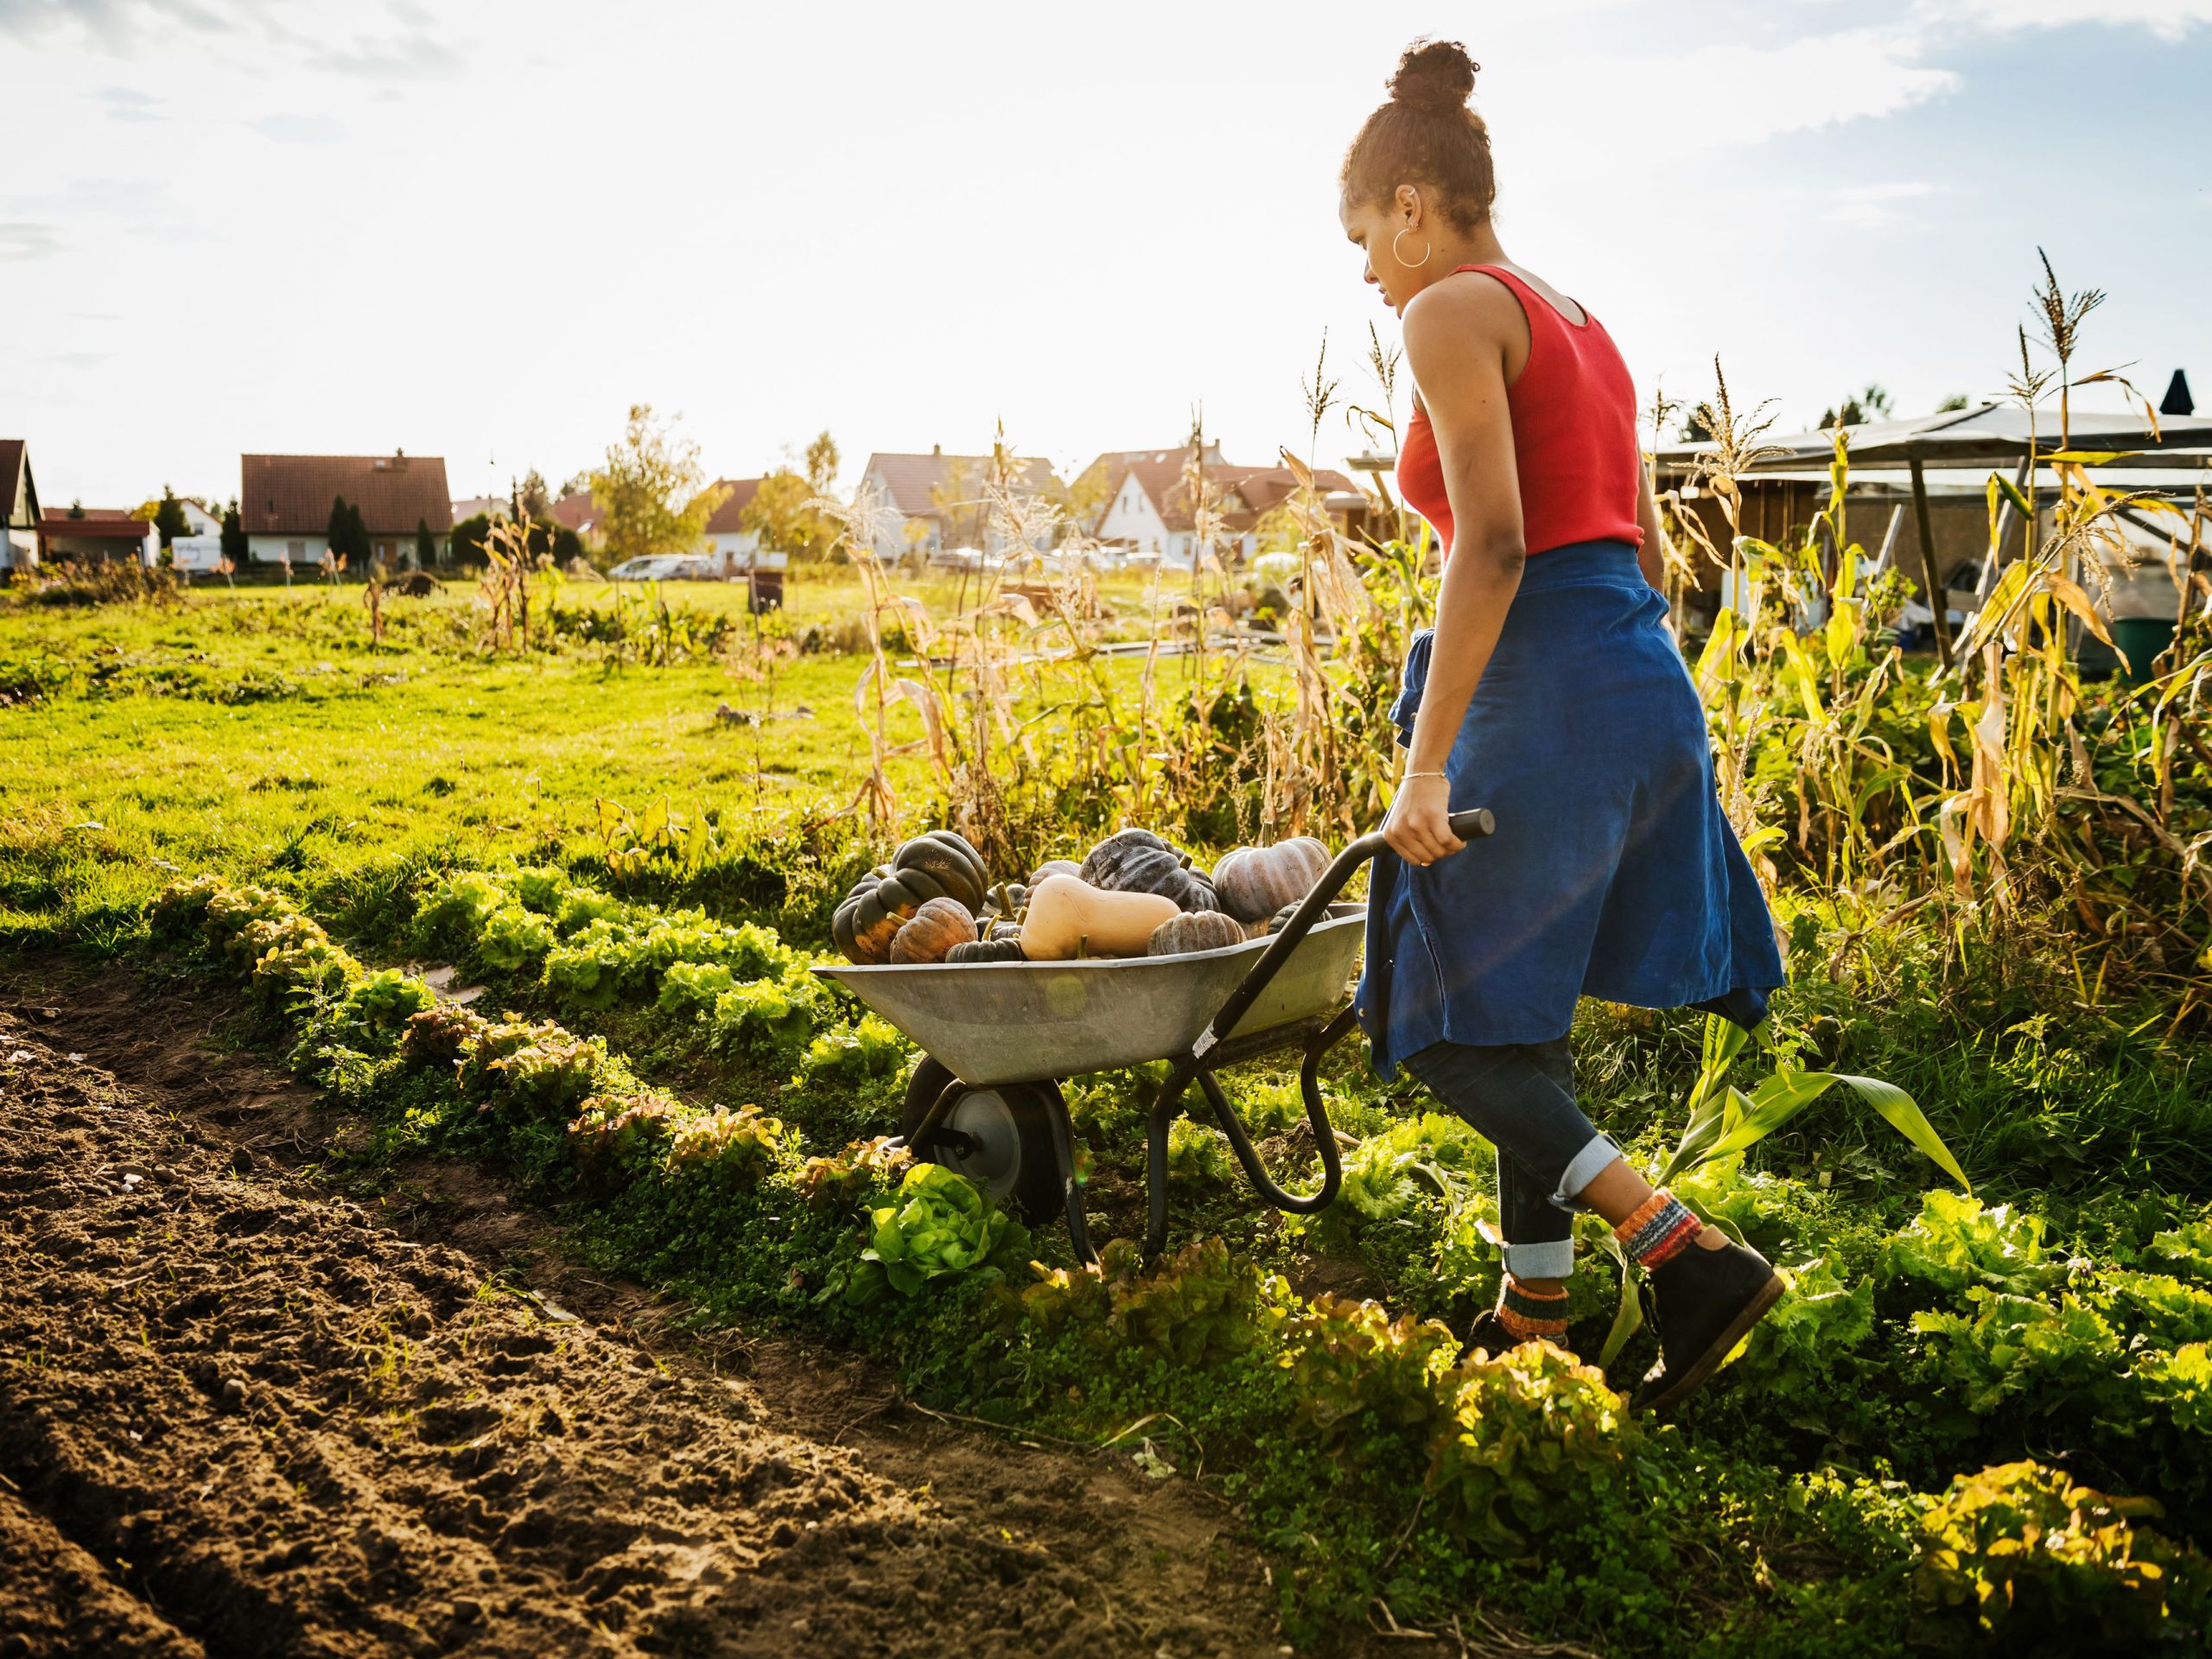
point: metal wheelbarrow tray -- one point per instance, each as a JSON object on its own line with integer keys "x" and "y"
{"x": 998, "y": 1037}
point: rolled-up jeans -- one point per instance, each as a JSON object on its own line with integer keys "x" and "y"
{"x": 1520, "y": 1096}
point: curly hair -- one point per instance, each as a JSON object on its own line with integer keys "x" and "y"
{"x": 1427, "y": 135}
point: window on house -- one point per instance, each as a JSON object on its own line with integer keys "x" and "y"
{"x": 296, "y": 552}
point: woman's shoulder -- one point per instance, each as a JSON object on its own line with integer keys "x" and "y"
{"x": 1471, "y": 311}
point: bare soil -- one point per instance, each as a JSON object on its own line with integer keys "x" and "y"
{"x": 243, "y": 1414}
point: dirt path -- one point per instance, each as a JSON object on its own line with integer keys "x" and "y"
{"x": 239, "y": 1416}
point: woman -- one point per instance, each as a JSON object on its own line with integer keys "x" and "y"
{"x": 1549, "y": 691}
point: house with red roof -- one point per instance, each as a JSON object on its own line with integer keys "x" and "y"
{"x": 82, "y": 534}
{"x": 729, "y": 543}
{"x": 1150, "y": 501}
{"x": 937, "y": 502}
{"x": 284, "y": 503}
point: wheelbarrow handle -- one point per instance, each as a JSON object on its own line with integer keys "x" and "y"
{"x": 1470, "y": 825}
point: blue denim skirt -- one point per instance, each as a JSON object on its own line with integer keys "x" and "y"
{"x": 1613, "y": 872}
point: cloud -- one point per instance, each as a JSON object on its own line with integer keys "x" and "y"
{"x": 298, "y": 129}
{"x": 417, "y": 56}
{"x": 2170, "y": 20}
{"x": 22, "y": 239}
{"x": 112, "y": 23}
{"x": 116, "y": 198}
{"x": 1753, "y": 92}
{"x": 128, "y": 103}
{"x": 1865, "y": 206}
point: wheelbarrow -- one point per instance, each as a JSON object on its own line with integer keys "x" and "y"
{"x": 998, "y": 1037}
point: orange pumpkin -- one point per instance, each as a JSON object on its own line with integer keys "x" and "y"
{"x": 934, "y": 929}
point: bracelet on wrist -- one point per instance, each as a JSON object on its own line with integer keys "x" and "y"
{"x": 1412, "y": 775}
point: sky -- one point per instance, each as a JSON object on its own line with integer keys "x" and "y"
{"x": 483, "y": 230}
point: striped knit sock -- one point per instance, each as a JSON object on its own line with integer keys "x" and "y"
{"x": 1659, "y": 1229}
{"x": 1529, "y": 1314}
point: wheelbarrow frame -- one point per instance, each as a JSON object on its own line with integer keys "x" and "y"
{"x": 1213, "y": 1048}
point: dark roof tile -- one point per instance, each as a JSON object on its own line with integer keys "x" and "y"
{"x": 290, "y": 495}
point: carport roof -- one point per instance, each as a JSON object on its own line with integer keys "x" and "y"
{"x": 1989, "y": 433}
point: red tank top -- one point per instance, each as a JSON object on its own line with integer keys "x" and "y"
{"x": 1575, "y": 445}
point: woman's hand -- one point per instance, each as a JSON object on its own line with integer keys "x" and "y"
{"x": 1418, "y": 830}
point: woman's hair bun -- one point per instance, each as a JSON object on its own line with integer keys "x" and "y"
{"x": 1434, "y": 75}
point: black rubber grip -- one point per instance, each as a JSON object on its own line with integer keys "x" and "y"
{"x": 1475, "y": 823}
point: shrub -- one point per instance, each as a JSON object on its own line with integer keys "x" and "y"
{"x": 688, "y": 987}
{"x": 620, "y": 1130}
{"x": 870, "y": 1047}
{"x": 1954, "y": 1243}
{"x": 511, "y": 939}
{"x": 1196, "y": 1307}
{"x": 439, "y": 1036}
{"x": 940, "y": 1223}
{"x": 530, "y": 1069}
{"x": 846, "y": 1178}
{"x": 1512, "y": 1443}
{"x": 2027, "y": 1551}
{"x": 742, "y": 1144}
{"x": 387, "y": 999}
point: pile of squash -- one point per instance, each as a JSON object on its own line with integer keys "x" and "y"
{"x": 1134, "y": 895}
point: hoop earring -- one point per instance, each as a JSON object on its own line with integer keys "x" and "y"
{"x": 1427, "y": 250}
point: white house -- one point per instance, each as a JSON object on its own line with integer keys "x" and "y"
{"x": 1149, "y": 510}
{"x": 938, "y": 501}
{"x": 284, "y": 503}
{"x": 18, "y": 507}
{"x": 728, "y": 543}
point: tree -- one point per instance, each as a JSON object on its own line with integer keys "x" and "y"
{"x": 165, "y": 516}
{"x": 530, "y": 499}
{"x": 822, "y": 464}
{"x": 346, "y": 534}
{"x": 234, "y": 543}
{"x": 469, "y": 538}
{"x": 426, "y": 545}
{"x": 1956, "y": 400}
{"x": 1858, "y": 409}
{"x": 780, "y": 516}
{"x": 651, "y": 493}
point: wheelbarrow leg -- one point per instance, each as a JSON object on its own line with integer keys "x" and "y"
{"x": 1164, "y": 1107}
{"x": 940, "y": 1109}
{"x": 1056, "y": 1116}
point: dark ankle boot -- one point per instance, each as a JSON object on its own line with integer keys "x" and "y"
{"x": 1702, "y": 1302}
{"x": 1489, "y": 1334}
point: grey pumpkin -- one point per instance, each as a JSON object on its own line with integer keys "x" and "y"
{"x": 1195, "y": 929}
{"x": 1002, "y": 947}
{"x": 1136, "y": 861}
{"x": 1254, "y": 882}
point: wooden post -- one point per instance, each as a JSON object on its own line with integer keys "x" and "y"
{"x": 1939, "y": 601}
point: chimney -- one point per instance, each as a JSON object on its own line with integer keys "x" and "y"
{"x": 937, "y": 449}
{"x": 2177, "y": 400}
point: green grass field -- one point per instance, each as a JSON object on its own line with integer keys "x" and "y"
{"x": 422, "y": 800}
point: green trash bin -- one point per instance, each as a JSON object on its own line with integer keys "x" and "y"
{"x": 2140, "y": 638}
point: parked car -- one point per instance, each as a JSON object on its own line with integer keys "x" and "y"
{"x": 665, "y": 567}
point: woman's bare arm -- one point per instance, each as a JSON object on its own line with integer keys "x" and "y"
{"x": 1652, "y": 555}
{"x": 1457, "y": 335}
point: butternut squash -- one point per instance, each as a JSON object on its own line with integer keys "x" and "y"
{"x": 1069, "y": 917}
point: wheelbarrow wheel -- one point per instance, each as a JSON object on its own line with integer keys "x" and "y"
{"x": 1001, "y": 1138}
